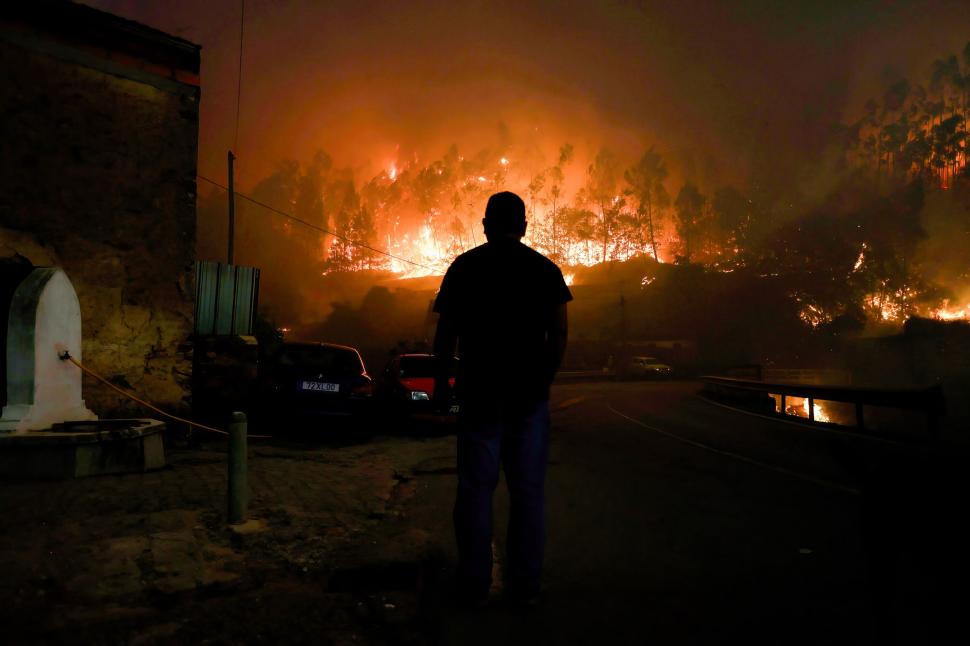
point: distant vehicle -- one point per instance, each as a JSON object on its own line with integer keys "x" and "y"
{"x": 407, "y": 386}
{"x": 316, "y": 380}
{"x": 648, "y": 368}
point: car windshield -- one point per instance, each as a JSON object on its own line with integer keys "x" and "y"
{"x": 339, "y": 360}
{"x": 422, "y": 367}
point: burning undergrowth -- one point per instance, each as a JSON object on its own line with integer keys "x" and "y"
{"x": 863, "y": 257}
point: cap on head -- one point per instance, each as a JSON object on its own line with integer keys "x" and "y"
{"x": 505, "y": 215}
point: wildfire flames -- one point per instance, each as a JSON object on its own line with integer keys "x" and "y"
{"x": 891, "y": 306}
{"x": 569, "y": 235}
{"x": 819, "y": 414}
{"x": 582, "y": 233}
{"x": 898, "y": 305}
{"x": 798, "y": 407}
{"x": 442, "y": 207}
{"x": 945, "y": 313}
{"x": 425, "y": 253}
{"x": 814, "y": 315}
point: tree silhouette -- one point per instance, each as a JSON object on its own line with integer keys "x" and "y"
{"x": 646, "y": 187}
{"x": 602, "y": 191}
{"x": 689, "y": 208}
{"x": 918, "y": 131}
{"x": 555, "y": 197}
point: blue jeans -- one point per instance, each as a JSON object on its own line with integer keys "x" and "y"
{"x": 517, "y": 436}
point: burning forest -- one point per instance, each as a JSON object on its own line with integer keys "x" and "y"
{"x": 886, "y": 241}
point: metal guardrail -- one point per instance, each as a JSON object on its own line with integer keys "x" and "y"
{"x": 814, "y": 376}
{"x": 929, "y": 401}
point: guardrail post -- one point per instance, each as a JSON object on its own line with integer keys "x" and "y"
{"x": 238, "y": 480}
{"x": 811, "y": 409}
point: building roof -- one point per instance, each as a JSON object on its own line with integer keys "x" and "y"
{"x": 81, "y": 33}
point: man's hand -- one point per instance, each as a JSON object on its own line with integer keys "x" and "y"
{"x": 556, "y": 338}
{"x": 441, "y": 399}
{"x": 445, "y": 340}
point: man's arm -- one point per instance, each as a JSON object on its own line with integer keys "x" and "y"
{"x": 445, "y": 340}
{"x": 556, "y": 340}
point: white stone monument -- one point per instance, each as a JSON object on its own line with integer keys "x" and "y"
{"x": 44, "y": 321}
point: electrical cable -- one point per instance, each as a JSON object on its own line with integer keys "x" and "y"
{"x": 66, "y": 356}
{"x": 292, "y": 217}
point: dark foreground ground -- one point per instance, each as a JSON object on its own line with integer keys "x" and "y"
{"x": 671, "y": 521}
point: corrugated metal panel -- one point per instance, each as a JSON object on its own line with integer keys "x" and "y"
{"x": 206, "y": 280}
{"x": 226, "y": 297}
{"x": 247, "y": 293}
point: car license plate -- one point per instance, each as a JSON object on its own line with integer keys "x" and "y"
{"x": 454, "y": 409}
{"x": 320, "y": 386}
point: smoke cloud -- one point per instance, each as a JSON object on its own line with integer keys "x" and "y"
{"x": 729, "y": 92}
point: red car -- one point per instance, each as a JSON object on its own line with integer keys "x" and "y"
{"x": 407, "y": 385}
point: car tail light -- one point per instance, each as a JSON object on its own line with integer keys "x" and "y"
{"x": 365, "y": 388}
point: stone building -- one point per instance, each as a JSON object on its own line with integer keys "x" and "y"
{"x": 99, "y": 128}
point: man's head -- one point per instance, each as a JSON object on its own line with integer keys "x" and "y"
{"x": 504, "y": 216}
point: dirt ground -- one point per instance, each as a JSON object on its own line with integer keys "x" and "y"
{"x": 148, "y": 558}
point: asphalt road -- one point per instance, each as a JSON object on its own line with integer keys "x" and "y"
{"x": 672, "y": 520}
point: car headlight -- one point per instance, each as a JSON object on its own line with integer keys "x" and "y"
{"x": 419, "y": 395}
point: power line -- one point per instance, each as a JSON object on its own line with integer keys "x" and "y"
{"x": 292, "y": 217}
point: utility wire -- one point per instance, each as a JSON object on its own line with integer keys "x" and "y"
{"x": 292, "y": 217}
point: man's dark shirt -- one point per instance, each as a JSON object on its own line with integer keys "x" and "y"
{"x": 503, "y": 298}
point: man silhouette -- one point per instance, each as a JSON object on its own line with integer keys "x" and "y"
{"x": 505, "y": 307}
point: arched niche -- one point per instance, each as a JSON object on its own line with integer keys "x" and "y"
{"x": 44, "y": 321}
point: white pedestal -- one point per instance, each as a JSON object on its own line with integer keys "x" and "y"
{"x": 45, "y": 320}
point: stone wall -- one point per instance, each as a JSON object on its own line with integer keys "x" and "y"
{"x": 98, "y": 176}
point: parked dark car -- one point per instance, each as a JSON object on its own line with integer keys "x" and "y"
{"x": 407, "y": 387}
{"x": 316, "y": 380}
{"x": 648, "y": 368}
